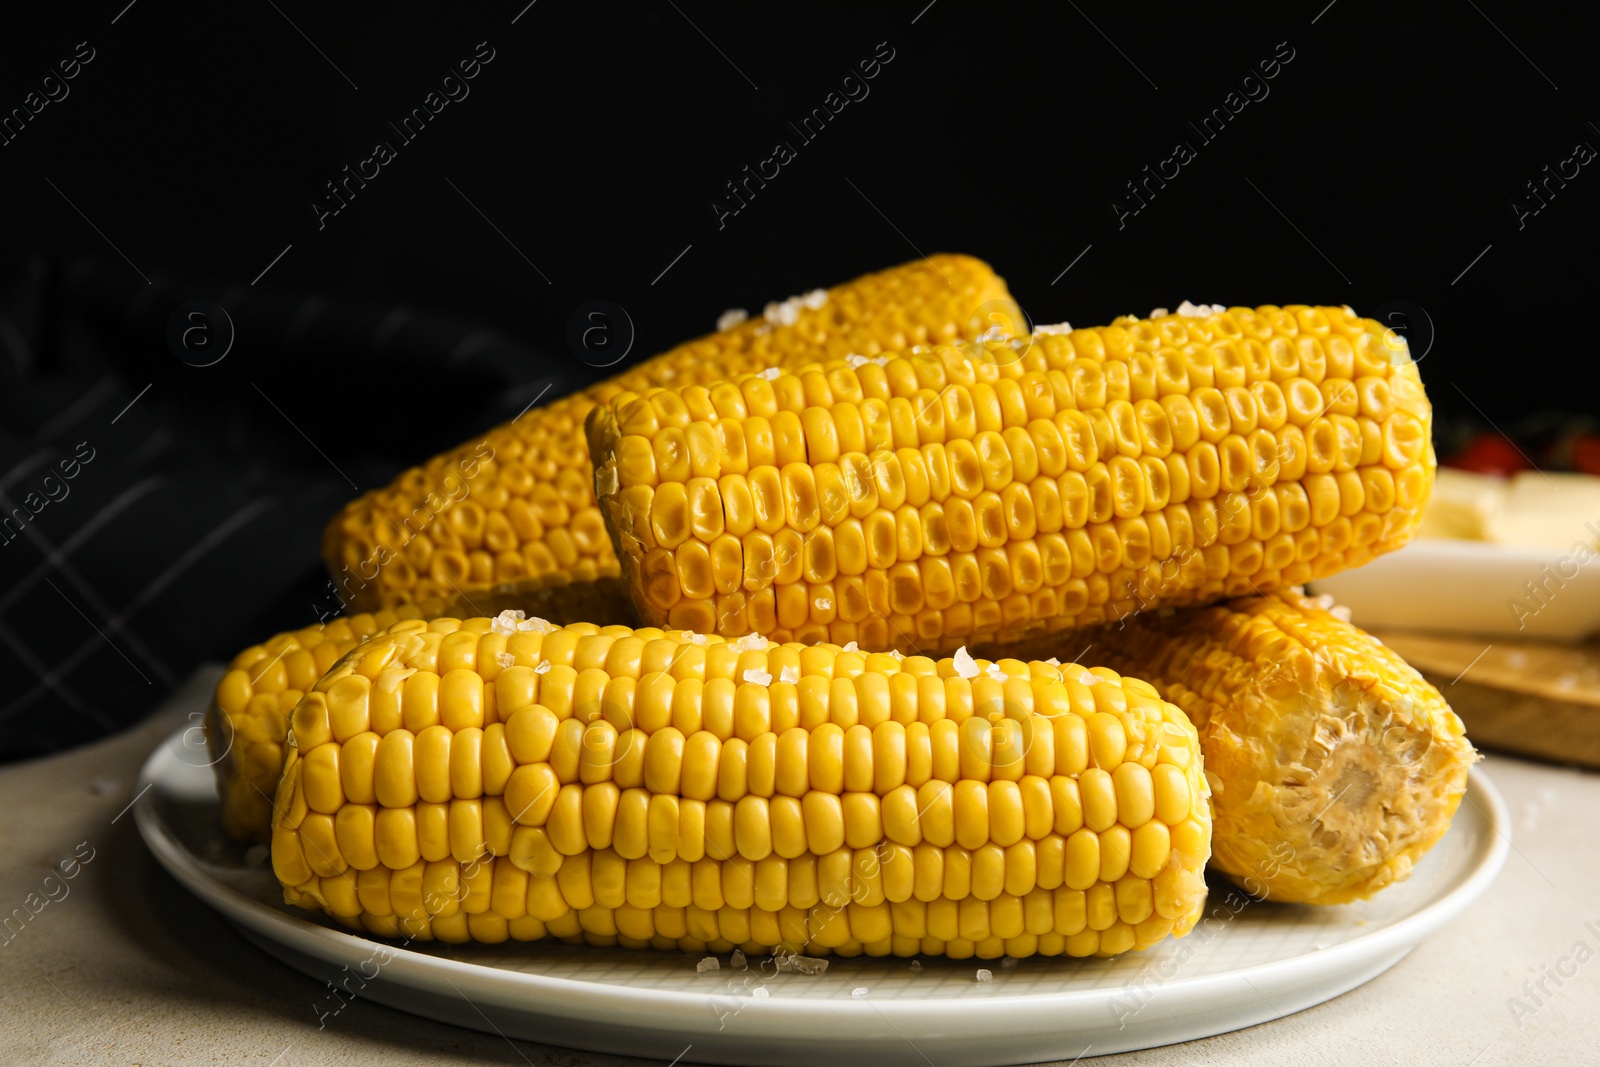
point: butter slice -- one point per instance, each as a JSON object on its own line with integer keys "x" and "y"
{"x": 1549, "y": 510}
{"x": 1464, "y": 505}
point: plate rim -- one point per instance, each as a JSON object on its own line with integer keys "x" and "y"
{"x": 302, "y": 933}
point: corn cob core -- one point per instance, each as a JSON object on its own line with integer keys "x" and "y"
{"x": 993, "y": 491}
{"x": 517, "y": 504}
{"x": 486, "y": 779}
{"x": 1333, "y": 765}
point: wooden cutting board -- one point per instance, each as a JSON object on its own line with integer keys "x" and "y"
{"x": 1522, "y": 697}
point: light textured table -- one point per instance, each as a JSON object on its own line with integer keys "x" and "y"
{"x": 128, "y": 968}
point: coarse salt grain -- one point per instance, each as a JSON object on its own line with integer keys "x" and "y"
{"x": 696, "y": 639}
{"x": 1053, "y": 662}
{"x": 965, "y": 666}
{"x": 731, "y": 318}
{"x": 994, "y": 333}
{"x": 542, "y": 667}
{"x": 505, "y": 659}
{"x": 1155, "y": 313}
{"x": 859, "y": 991}
{"x": 757, "y": 677}
{"x": 916, "y": 965}
{"x": 850, "y": 646}
{"x": 506, "y": 621}
{"x": 771, "y": 374}
{"x": 985, "y": 974}
{"x": 816, "y": 298}
{"x": 790, "y": 675}
{"x": 784, "y": 314}
{"x": 1053, "y": 328}
{"x": 1340, "y": 612}
{"x": 749, "y": 643}
{"x": 707, "y": 965}
{"x": 760, "y": 992}
{"x": 993, "y": 670}
{"x": 737, "y": 960}
{"x": 856, "y": 361}
{"x": 536, "y": 625}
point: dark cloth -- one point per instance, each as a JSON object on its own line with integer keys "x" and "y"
{"x": 156, "y": 514}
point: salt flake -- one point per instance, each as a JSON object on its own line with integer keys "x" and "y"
{"x": 965, "y": 665}
{"x": 993, "y": 670}
{"x": 789, "y": 674}
{"x": 506, "y": 622}
{"x": 757, "y": 677}
{"x": 731, "y": 318}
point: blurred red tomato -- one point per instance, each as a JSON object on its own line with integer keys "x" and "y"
{"x": 1490, "y": 453}
{"x": 1586, "y": 453}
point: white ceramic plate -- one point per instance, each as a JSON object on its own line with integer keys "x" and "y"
{"x": 1247, "y": 962}
{"x": 1469, "y": 587}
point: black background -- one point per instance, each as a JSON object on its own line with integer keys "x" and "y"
{"x": 1381, "y": 167}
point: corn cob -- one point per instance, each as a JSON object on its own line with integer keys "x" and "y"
{"x": 517, "y": 505}
{"x": 985, "y": 493}
{"x": 1333, "y": 765}
{"x": 492, "y": 779}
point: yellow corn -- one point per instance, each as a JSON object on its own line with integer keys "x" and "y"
{"x": 516, "y": 505}
{"x": 492, "y": 779}
{"x": 1333, "y": 765}
{"x": 985, "y": 493}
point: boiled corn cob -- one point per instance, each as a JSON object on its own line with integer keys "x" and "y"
{"x": 1333, "y": 765}
{"x": 991, "y": 491}
{"x": 486, "y": 779}
{"x": 516, "y": 505}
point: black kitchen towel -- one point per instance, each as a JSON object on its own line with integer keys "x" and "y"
{"x": 163, "y": 487}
